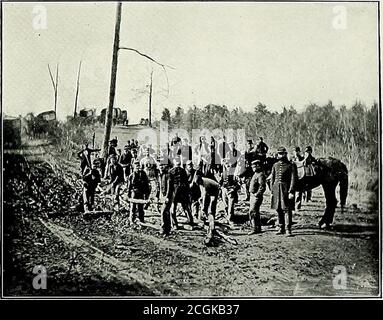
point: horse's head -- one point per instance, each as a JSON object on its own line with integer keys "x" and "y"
{"x": 268, "y": 164}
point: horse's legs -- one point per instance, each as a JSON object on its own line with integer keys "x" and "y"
{"x": 247, "y": 188}
{"x": 329, "y": 192}
{"x": 343, "y": 184}
{"x": 299, "y": 200}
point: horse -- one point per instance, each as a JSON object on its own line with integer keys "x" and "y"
{"x": 329, "y": 173}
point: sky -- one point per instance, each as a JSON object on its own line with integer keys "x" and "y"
{"x": 237, "y": 54}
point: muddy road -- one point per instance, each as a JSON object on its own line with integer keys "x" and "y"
{"x": 105, "y": 256}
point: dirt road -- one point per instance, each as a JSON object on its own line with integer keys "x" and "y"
{"x": 107, "y": 257}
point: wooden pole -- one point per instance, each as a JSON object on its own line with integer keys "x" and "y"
{"x": 77, "y": 90}
{"x": 150, "y": 98}
{"x": 93, "y": 139}
{"x": 109, "y": 113}
{"x": 56, "y": 85}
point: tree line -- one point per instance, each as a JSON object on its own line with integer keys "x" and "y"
{"x": 349, "y": 134}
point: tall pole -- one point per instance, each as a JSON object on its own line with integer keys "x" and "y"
{"x": 77, "y": 89}
{"x": 150, "y": 99}
{"x": 109, "y": 113}
{"x": 57, "y": 83}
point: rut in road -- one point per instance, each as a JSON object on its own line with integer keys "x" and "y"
{"x": 123, "y": 269}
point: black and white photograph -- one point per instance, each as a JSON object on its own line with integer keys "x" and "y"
{"x": 194, "y": 150}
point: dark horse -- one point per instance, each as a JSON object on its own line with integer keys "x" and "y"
{"x": 329, "y": 172}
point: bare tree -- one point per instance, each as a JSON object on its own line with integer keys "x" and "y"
{"x": 116, "y": 48}
{"x": 109, "y": 114}
{"x": 55, "y": 85}
{"x": 150, "y": 98}
{"x": 77, "y": 90}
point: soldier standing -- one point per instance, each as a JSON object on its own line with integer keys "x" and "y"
{"x": 257, "y": 188}
{"x": 186, "y": 152}
{"x": 308, "y": 163}
{"x": 283, "y": 184}
{"x": 126, "y": 162}
{"x": 195, "y": 192}
{"x": 91, "y": 180}
{"x": 250, "y": 156}
{"x": 115, "y": 175}
{"x": 230, "y": 187}
{"x": 138, "y": 189}
{"x": 85, "y": 156}
{"x": 181, "y": 190}
{"x": 112, "y": 149}
{"x": 149, "y": 164}
{"x": 233, "y": 154}
{"x": 262, "y": 149}
{"x": 166, "y": 192}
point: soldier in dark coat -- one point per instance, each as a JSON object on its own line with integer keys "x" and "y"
{"x": 233, "y": 154}
{"x": 181, "y": 191}
{"x": 138, "y": 189}
{"x": 257, "y": 188}
{"x": 261, "y": 149}
{"x": 223, "y": 147}
{"x": 309, "y": 165}
{"x": 91, "y": 180}
{"x": 166, "y": 192}
{"x": 112, "y": 149}
{"x": 250, "y": 156}
{"x": 283, "y": 184}
{"x": 126, "y": 161}
{"x": 85, "y": 156}
{"x": 115, "y": 175}
{"x": 186, "y": 152}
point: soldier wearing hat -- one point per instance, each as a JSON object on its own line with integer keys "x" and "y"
{"x": 309, "y": 166}
{"x": 283, "y": 185}
{"x": 257, "y": 188}
{"x": 308, "y": 158}
{"x": 181, "y": 191}
{"x": 138, "y": 188}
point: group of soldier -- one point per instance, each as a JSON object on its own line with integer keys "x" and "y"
{"x": 194, "y": 178}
